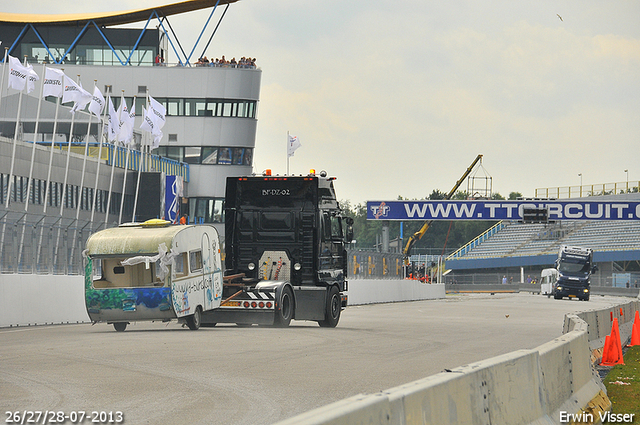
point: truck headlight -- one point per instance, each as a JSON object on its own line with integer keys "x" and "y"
{"x": 586, "y": 290}
{"x": 559, "y": 288}
{"x": 297, "y": 266}
{"x": 251, "y": 266}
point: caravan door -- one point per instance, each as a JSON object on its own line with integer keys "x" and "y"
{"x": 212, "y": 271}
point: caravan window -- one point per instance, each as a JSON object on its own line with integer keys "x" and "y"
{"x": 195, "y": 261}
{"x": 178, "y": 267}
{"x": 97, "y": 268}
{"x": 110, "y": 273}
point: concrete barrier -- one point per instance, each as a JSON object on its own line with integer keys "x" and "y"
{"x": 27, "y": 300}
{"x": 371, "y": 291}
{"x": 551, "y": 384}
{"x": 535, "y": 289}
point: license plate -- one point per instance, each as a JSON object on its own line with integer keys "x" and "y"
{"x": 572, "y": 296}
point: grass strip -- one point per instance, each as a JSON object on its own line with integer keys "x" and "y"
{"x": 623, "y": 385}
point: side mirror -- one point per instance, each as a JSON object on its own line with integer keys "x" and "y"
{"x": 594, "y": 268}
{"x": 349, "y": 230}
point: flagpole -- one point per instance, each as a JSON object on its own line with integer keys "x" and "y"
{"x": 33, "y": 148}
{"x": 135, "y": 200}
{"x": 126, "y": 163}
{"x": 84, "y": 167}
{"x": 113, "y": 160}
{"x": 84, "y": 161}
{"x": 95, "y": 187}
{"x": 53, "y": 145}
{"x": 33, "y": 155}
{"x": 66, "y": 168}
{"x": 66, "y": 175}
{"x": 15, "y": 142}
{"x": 4, "y": 68}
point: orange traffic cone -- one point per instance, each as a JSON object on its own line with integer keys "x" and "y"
{"x": 635, "y": 332}
{"x": 612, "y": 354}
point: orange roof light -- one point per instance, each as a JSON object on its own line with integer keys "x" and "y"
{"x": 267, "y": 172}
{"x": 312, "y": 172}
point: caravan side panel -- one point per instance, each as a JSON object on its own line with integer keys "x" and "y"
{"x": 197, "y": 278}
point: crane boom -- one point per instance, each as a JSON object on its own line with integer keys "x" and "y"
{"x": 418, "y": 235}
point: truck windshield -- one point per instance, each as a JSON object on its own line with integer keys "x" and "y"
{"x": 572, "y": 266}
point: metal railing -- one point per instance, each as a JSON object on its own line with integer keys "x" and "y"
{"x": 478, "y": 240}
{"x": 374, "y": 265}
{"x": 118, "y": 154}
{"x": 588, "y": 190}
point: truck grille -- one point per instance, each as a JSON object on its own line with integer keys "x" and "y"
{"x": 274, "y": 265}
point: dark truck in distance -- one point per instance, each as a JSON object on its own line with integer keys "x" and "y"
{"x": 285, "y": 253}
{"x": 575, "y": 266}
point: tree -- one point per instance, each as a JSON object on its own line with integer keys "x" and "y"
{"x": 514, "y": 195}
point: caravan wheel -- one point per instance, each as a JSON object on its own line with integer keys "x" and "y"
{"x": 194, "y": 321}
{"x": 120, "y": 326}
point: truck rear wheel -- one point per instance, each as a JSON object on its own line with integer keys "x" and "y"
{"x": 194, "y": 321}
{"x": 284, "y": 310}
{"x": 332, "y": 309}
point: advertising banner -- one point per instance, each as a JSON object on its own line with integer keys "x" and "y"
{"x": 501, "y": 210}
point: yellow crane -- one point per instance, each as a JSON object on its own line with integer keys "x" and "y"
{"x": 418, "y": 235}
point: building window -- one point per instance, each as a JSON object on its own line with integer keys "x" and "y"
{"x": 192, "y": 154}
{"x": 206, "y": 210}
{"x": 178, "y": 107}
{"x": 208, "y": 155}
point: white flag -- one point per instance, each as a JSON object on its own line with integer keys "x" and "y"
{"x": 52, "y": 82}
{"x": 150, "y": 125}
{"x": 157, "y": 112}
{"x": 97, "y": 103}
{"x": 126, "y": 122}
{"x": 19, "y": 74}
{"x": 114, "y": 125}
{"x": 293, "y": 144}
{"x": 32, "y": 78}
{"x": 75, "y": 93}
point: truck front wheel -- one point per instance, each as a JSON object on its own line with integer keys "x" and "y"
{"x": 284, "y": 310}
{"x": 332, "y": 309}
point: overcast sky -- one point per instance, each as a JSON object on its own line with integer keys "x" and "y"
{"x": 396, "y": 98}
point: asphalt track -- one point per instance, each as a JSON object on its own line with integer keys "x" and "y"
{"x": 163, "y": 373}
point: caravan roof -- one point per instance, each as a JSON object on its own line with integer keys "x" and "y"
{"x": 132, "y": 240}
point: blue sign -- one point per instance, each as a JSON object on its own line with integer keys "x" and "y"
{"x": 172, "y": 193}
{"x": 501, "y": 210}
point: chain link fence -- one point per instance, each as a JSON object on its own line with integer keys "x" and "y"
{"x": 33, "y": 244}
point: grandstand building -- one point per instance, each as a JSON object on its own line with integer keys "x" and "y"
{"x": 209, "y": 134}
{"x": 520, "y": 251}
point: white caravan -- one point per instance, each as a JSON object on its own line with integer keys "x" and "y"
{"x": 152, "y": 271}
